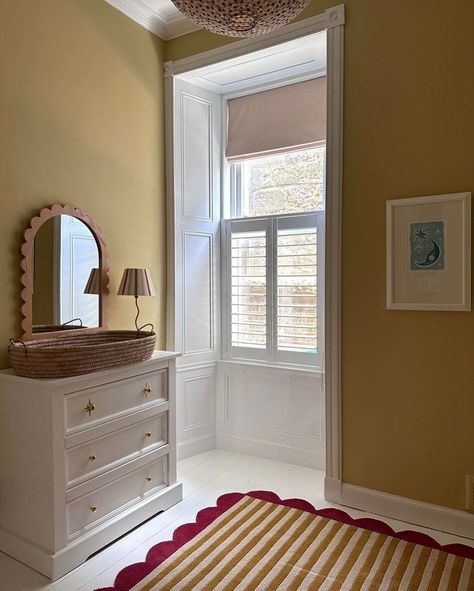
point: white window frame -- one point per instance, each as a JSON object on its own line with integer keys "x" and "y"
{"x": 331, "y": 20}
{"x": 271, "y": 355}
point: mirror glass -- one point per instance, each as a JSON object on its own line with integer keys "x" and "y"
{"x": 64, "y": 254}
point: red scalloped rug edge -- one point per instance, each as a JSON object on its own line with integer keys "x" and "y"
{"x": 134, "y": 573}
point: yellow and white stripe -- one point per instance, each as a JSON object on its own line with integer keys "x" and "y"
{"x": 262, "y": 546}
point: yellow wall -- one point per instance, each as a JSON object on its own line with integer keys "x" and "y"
{"x": 81, "y": 122}
{"x": 408, "y": 377}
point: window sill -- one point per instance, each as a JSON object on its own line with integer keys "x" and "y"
{"x": 285, "y": 368}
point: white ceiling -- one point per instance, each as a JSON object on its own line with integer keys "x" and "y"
{"x": 161, "y": 17}
{"x": 299, "y": 58}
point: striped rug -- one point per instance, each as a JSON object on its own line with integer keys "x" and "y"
{"x": 259, "y": 545}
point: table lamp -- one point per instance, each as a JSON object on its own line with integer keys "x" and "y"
{"x": 136, "y": 282}
{"x": 93, "y": 283}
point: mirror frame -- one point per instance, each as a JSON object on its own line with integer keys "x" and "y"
{"x": 26, "y": 265}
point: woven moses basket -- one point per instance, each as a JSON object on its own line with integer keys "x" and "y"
{"x": 79, "y": 353}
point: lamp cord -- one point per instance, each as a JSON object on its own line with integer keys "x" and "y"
{"x": 138, "y": 313}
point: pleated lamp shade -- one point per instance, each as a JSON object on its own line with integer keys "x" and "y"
{"x": 93, "y": 283}
{"x": 136, "y": 282}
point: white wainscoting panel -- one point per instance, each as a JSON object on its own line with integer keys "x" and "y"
{"x": 272, "y": 412}
{"x": 196, "y": 147}
{"x": 196, "y": 395}
{"x": 194, "y": 215}
{"x": 193, "y": 261}
{"x": 198, "y": 292}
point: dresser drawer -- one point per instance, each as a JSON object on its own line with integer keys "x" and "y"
{"x": 89, "y": 407}
{"x": 93, "y": 508}
{"x": 91, "y": 458}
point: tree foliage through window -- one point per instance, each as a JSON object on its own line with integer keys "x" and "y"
{"x": 285, "y": 183}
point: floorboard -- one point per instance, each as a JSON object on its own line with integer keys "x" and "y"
{"x": 204, "y": 477}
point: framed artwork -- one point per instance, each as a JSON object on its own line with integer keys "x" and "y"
{"x": 429, "y": 253}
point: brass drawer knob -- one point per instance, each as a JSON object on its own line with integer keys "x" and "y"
{"x": 148, "y": 479}
{"x": 90, "y": 407}
{"x": 93, "y": 509}
{"x": 92, "y": 458}
{"x": 148, "y": 434}
{"x": 147, "y": 390}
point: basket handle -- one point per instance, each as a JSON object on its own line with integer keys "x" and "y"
{"x": 14, "y": 342}
{"x": 142, "y": 327}
{"x": 73, "y": 320}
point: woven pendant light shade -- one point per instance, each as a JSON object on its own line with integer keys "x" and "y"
{"x": 244, "y": 18}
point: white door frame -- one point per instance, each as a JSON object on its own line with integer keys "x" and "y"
{"x": 332, "y": 21}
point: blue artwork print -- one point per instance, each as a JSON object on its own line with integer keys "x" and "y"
{"x": 427, "y": 246}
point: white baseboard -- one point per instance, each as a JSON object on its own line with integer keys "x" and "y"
{"x": 186, "y": 449}
{"x": 272, "y": 451}
{"x": 411, "y": 511}
{"x": 332, "y": 490}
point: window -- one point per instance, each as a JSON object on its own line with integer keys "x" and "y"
{"x": 291, "y": 182}
{"x": 272, "y": 287}
{"x": 273, "y": 245}
{"x": 284, "y": 183}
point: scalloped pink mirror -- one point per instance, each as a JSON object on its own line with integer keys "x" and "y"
{"x": 65, "y": 274}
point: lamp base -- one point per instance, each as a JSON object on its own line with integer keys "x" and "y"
{"x": 138, "y": 313}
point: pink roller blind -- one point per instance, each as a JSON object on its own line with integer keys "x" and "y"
{"x": 288, "y": 118}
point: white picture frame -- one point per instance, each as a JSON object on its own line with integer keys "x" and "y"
{"x": 429, "y": 253}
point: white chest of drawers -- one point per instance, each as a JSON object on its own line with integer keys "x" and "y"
{"x": 84, "y": 459}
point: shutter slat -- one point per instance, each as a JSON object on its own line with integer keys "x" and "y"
{"x": 248, "y": 289}
{"x": 297, "y": 272}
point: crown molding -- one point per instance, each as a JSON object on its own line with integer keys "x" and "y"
{"x": 176, "y": 25}
{"x": 164, "y": 27}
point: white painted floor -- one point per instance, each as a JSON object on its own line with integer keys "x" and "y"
{"x": 205, "y": 477}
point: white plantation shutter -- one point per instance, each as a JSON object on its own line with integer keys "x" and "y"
{"x": 297, "y": 271}
{"x": 248, "y": 288}
{"x": 273, "y": 279}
